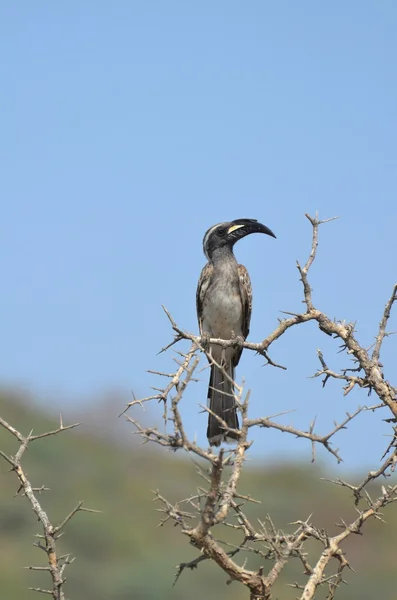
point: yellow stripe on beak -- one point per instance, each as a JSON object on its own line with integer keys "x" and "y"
{"x": 234, "y": 227}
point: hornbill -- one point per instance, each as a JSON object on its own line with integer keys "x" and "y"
{"x": 224, "y": 303}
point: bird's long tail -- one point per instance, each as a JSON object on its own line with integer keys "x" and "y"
{"x": 221, "y": 402}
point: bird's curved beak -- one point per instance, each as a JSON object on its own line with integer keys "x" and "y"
{"x": 242, "y": 227}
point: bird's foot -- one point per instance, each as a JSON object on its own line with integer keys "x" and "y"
{"x": 205, "y": 340}
{"x": 238, "y": 340}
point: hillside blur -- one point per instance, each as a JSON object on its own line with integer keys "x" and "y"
{"x": 122, "y": 553}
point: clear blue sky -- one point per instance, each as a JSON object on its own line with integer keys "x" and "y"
{"x": 128, "y": 128}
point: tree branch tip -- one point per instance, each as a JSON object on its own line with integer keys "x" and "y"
{"x": 291, "y": 314}
{"x": 91, "y": 510}
{"x": 70, "y": 426}
{"x": 41, "y": 591}
{"x": 124, "y": 411}
{"x": 177, "y": 338}
{"x": 167, "y": 313}
{"x": 33, "y": 438}
{"x": 328, "y": 220}
{"x": 315, "y": 220}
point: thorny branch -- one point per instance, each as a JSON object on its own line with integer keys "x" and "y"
{"x": 220, "y": 503}
{"x": 47, "y": 540}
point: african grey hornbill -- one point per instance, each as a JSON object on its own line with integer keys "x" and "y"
{"x": 224, "y": 303}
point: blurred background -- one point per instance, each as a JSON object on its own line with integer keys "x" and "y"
{"x": 127, "y": 130}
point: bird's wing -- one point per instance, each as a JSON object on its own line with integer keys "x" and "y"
{"x": 202, "y": 288}
{"x": 246, "y": 301}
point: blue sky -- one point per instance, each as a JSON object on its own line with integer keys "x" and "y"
{"x": 131, "y": 127}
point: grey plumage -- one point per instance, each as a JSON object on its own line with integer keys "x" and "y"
{"x": 224, "y": 303}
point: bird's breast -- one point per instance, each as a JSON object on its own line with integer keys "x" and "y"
{"x": 222, "y": 308}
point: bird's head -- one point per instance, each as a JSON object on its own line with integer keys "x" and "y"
{"x": 225, "y": 235}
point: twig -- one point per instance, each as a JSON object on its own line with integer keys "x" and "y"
{"x": 50, "y": 533}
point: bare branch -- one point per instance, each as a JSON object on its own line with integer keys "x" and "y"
{"x": 50, "y": 534}
{"x": 383, "y": 324}
{"x": 333, "y": 544}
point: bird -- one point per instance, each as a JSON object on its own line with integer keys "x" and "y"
{"x": 224, "y": 304}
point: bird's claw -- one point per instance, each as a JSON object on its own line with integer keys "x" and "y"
{"x": 238, "y": 340}
{"x": 205, "y": 340}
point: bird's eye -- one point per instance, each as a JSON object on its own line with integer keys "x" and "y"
{"x": 222, "y": 231}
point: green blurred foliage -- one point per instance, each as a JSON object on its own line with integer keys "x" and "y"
{"x": 121, "y": 553}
